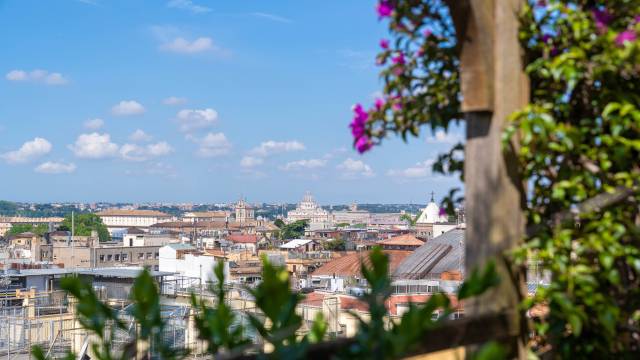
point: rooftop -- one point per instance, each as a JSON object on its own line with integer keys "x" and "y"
{"x": 402, "y": 240}
{"x": 295, "y": 243}
{"x": 349, "y": 265}
{"x": 123, "y": 212}
{"x": 440, "y": 254}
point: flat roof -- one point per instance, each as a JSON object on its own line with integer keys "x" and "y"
{"x": 116, "y": 272}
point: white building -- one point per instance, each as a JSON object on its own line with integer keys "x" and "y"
{"x": 308, "y": 209}
{"x": 137, "y": 237}
{"x": 118, "y": 220}
{"x": 351, "y": 216}
{"x": 187, "y": 261}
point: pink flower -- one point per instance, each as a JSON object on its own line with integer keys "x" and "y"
{"x": 636, "y": 19}
{"x": 363, "y": 144}
{"x": 379, "y": 104}
{"x": 384, "y": 8}
{"x": 442, "y": 212}
{"x": 397, "y": 106}
{"x": 384, "y": 43}
{"x": 398, "y": 59}
{"x": 603, "y": 18}
{"x": 427, "y": 33}
{"x": 359, "y": 121}
{"x": 399, "y": 70}
{"x": 627, "y": 35}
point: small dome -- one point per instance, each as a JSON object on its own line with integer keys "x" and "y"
{"x": 431, "y": 214}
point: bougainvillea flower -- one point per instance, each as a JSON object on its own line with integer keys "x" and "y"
{"x": 379, "y": 103}
{"x": 397, "y": 106}
{"x": 545, "y": 38}
{"x": 384, "y": 8}
{"x": 442, "y": 212}
{"x": 427, "y": 33}
{"x": 384, "y": 43}
{"x": 398, "y": 59}
{"x": 603, "y": 18}
{"x": 360, "y": 117}
{"x": 363, "y": 144}
{"x": 627, "y": 35}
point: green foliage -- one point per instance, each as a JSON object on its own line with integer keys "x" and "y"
{"x": 85, "y": 223}
{"x": 411, "y": 220}
{"x": 279, "y": 223}
{"x": 579, "y": 140}
{"x": 335, "y": 245}
{"x": 219, "y": 326}
{"x": 16, "y": 229}
{"x": 294, "y": 230}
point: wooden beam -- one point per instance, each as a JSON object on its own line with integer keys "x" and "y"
{"x": 495, "y": 221}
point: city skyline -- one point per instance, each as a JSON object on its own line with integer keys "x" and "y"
{"x": 167, "y": 102}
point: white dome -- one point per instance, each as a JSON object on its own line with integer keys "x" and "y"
{"x": 431, "y": 215}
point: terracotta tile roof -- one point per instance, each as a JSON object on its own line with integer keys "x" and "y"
{"x": 243, "y": 239}
{"x": 207, "y": 214}
{"x": 349, "y": 265}
{"x": 404, "y": 240}
{"x": 123, "y": 212}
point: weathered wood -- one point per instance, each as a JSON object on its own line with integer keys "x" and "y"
{"x": 495, "y": 221}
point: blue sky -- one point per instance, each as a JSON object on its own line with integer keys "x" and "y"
{"x": 197, "y": 101}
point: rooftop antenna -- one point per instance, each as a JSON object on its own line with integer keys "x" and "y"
{"x": 432, "y": 196}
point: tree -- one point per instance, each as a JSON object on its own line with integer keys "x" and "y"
{"x": 409, "y": 219}
{"x": 85, "y": 224}
{"x": 16, "y": 229}
{"x": 295, "y": 230}
{"x": 279, "y": 223}
{"x": 335, "y": 245}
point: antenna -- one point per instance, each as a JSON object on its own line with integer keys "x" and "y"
{"x": 73, "y": 247}
{"x": 432, "y": 196}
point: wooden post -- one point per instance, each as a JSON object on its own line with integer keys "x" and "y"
{"x": 494, "y": 86}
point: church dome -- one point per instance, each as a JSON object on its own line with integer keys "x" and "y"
{"x": 431, "y": 214}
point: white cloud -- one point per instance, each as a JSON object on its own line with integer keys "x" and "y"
{"x": 442, "y": 137}
{"x": 93, "y": 124}
{"x": 188, "y": 5}
{"x": 355, "y": 168}
{"x": 174, "y": 100}
{"x": 272, "y": 17}
{"x": 183, "y": 46}
{"x": 190, "y": 120}
{"x": 30, "y": 150}
{"x": 133, "y": 152}
{"x": 273, "y": 147}
{"x": 127, "y": 107}
{"x": 39, "y": 76}
{"x": 250, "y": 161}
{"x": 304, "y": 164}
{"x": 211, "y": 145}
{"x": 140, "y": 136}
{"x": 52, "y": 167}
{"x": 419, "y": 171}
{"x": 94, "y": 146}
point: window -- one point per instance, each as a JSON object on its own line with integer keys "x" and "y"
{"x": 109, "y": 257}
{"x": 140, "y": 256}
{"x": 156, "y": 267}
{"x": 149, "y": 256}
{"x": 101, "y": 258}
{"x": 116, "y": 257}
{"x": 157, "y": 255}
{"x": 125, "y": 257}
